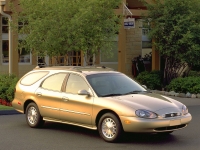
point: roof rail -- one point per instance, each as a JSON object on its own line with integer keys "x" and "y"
{"x": 75, "y": 68}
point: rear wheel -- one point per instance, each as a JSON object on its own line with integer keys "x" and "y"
{"x": 33, "y": 117}
{"x": 165, "y": 133}
{"x": 110, "y": 128}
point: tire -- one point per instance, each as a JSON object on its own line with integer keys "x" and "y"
{"x": 110, "y": 128}
{"x": 165, "y": 133}
{"x": 33, "y": 117}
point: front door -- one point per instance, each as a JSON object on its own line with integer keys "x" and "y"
{"x": 76, "y": 108}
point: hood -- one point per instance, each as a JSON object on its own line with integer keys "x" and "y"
{"x": 148, "y": 101}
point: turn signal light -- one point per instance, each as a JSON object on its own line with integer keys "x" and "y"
{"x": 127, "y": 122}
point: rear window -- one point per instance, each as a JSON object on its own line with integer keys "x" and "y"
{"x": 33, "y": 77}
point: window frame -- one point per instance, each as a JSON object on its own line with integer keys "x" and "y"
{"x": 20, "y": 38}
{"x": 5, "y": 37}
{"x": 4, "y": 25}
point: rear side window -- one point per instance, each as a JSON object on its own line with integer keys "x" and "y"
{"x": 33, "y": 77}
{"x": 54, "y": 82}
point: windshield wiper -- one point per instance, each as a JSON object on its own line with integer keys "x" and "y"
{"x": 111, "y": 95}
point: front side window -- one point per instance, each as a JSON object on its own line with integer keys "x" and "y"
{"x": 54, "y": 82}
{"x": 76, "y": 83}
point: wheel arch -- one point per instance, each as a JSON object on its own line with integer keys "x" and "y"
{"x": 26, "y": 104}
{"x": 104, "y": 111}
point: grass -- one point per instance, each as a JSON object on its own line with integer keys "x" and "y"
{"x": 2, "y": 107}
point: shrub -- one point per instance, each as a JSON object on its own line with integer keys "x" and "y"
{"x": 196, "y": 89}
{"x": 184, "y": 85}
{"x": 151, "y": 79}
{"x": 7, "y": 86}
{"x": 194, "y": 74}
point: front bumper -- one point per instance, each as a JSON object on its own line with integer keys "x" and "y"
{"x": 135, "y": 124}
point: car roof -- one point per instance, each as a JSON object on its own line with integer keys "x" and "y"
{"x": 81, "y": 69}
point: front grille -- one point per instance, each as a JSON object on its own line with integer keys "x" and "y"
{"x": 172, "y": 115}
{"x": 170, "y": 127}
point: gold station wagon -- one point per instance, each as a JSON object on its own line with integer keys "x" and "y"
{"x": 96, "y": 98}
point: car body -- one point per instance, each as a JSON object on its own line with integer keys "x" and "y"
{"x": 96, "y": 98}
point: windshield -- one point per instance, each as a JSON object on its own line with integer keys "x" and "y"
{"x": 113, "y": 84}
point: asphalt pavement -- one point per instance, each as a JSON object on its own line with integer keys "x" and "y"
{"x": 8, "y": 112}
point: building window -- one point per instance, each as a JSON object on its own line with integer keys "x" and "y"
{"x": 71, "y": 58}
{"x": 23, "y": 22}
{"x": 24, "y": 55}
{"x": 145, "y": 31}
{"x": 114, "y": 57}
{"x": 4, "y": 24}
{"x": 41, "y": 61}
{"x": 5, "y": 51}
{"x": 146, "y": 44}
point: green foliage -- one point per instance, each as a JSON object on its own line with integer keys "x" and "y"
{"x": 175, "y": 26}
{"x": 194, "y": 74}
{"x": 151, "y": 79}
{"x": 7, "y": 86}
{"x": 184, "y": 85}
{"x": 55, "y": 27}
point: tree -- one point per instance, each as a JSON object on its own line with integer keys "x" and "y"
{"x": 175, "y": 26}
{"x": 57, "y": 27}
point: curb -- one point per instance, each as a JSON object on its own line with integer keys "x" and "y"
{"x": 174, "y": 94}
{"x": 9, "y": 112}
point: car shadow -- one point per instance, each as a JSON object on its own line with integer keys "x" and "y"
{"x": 148, "y": 138}
{"x": 140, "y": 138}
{"x": 70, "y": 129}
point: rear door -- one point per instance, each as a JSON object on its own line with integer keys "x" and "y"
{"x": 49, "y": 95}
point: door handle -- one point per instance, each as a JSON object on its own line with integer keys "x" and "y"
{"x": 65, "y": 99}
{"x": 39, "y": 94}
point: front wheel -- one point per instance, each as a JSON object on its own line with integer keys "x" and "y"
{"x": 33, "y": 117}
{"x": 110, "y": 128}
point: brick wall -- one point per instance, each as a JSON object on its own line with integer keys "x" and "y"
{"x": 133, "y": 45}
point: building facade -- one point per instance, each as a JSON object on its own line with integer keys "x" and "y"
{"x": 128, "y": 44}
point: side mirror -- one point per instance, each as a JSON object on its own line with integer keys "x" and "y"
{"x": 144, "y": 86}
{"x": 83, "y": 92}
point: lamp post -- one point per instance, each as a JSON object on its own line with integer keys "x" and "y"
{"x": 2, "y": 4}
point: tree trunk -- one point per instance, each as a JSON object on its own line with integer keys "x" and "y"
{"x": 173, "y": 69}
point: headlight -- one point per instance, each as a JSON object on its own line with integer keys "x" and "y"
{"x": 184, "y": 110}
{"x": 145, "y": 114}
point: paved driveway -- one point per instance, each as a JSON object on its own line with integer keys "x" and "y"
{"x": 17, "y": 135}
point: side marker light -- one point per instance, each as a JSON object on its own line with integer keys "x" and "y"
{"x": 127, "y": 122}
